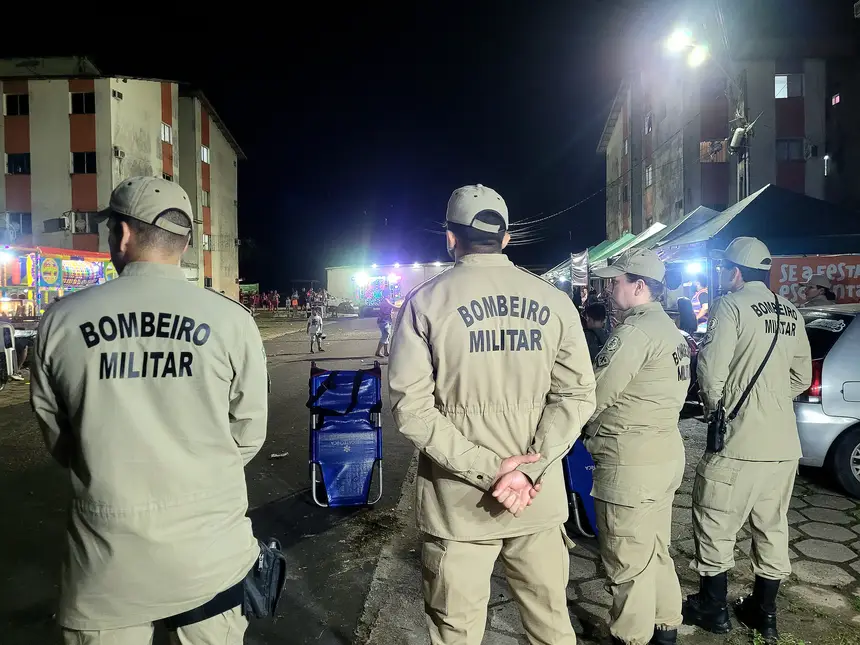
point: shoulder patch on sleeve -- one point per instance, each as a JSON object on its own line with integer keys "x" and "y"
{"x": 226, "y": 297}
{"x": 712, "y": 324}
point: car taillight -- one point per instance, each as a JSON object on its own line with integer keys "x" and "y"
{"x": 813, "y": 393}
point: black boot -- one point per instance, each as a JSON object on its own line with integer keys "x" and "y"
{"x": 709, "y": 609}
{"x": 758, "y": 611}
{"x": 664, "y": 637}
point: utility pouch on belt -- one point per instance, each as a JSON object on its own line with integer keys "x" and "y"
{"x": 258, "y": 593}
{"x": 718, "y": 422}
{"x": 265, "y": 582}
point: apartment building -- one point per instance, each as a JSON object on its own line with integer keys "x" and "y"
{"x": 69, "y": 134}
{"x": 667, "y": 138}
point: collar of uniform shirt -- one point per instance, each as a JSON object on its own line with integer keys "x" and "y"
{"x": 154, "y": 269}
{"x": 641, "y": 309}
{"x": 484, "y": 259}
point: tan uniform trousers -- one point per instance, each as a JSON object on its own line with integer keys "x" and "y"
{"x": 224, "y": 629}
{"x": 634, "y": 545}
{"x": 457, "y": 586}
{"x": 728, "y": 491}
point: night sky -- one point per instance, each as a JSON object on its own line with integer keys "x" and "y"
{"x": 359, "y": 123}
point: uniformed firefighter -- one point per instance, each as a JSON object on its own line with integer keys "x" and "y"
{"x": 751, "y": 475}
{"x": 819, "y": 291}
{"x": 152, "y": 392}
{"x": 490, "y": 378}
{"x": 643, "y": 373}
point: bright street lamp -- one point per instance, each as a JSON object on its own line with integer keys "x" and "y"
{"x": 679, "y": 40}
{"x": 698, "y": 56}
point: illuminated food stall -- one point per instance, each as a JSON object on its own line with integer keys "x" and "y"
{"x": 32, "y": 278}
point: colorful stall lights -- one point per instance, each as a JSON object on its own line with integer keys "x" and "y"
{"x": 397, "y": 265}
{"x": 5, "y": 257}
{"x": 394, "y": 278}
{"x": 361, "y": 279}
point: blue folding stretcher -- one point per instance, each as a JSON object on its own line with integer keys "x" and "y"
{"x": 345, "y": 435}
{"x": 578, "y": 469}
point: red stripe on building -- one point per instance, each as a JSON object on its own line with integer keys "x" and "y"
{"x": 16, "y": 135}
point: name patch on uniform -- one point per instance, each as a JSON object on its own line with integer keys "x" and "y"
{"x": 504, "y": 340}
{"x": 681, "y": 356}
{"x": 161, "y": 363}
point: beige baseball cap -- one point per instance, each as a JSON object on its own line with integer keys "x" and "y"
{"x": 468, "y": 202}
{"x": 146, "y": 199}
{"x": 819, "y": 280}
{"x": 747, "y": 252}
{"x": 642, "y": 262}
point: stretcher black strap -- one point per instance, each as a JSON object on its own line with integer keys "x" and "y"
{"x": 224, "y": 601}
{"x": 749, "y": 388}
{"x": 328, "y": 384}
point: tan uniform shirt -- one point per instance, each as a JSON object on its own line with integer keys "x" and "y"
{"x": 739, "y": 334}
{"x": 488, "y": 361}
{"x": 643, "y": 373}
{"x": 153, "y": 393}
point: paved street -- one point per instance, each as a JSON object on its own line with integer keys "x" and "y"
{"x": 820, "y": 604}
{"x": 355, "y": 575}
{"x": 331, "y": 553}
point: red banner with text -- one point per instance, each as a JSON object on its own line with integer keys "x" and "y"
{"x": 787, "y": 274}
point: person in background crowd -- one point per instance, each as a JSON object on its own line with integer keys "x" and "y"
{"x": 686, "y": 316}
{"x": 819, "y": 291}
{"x": 700, "y": 299}
{"x": 155, "y": 440}
{"x": 595, "y": 328}
{"x": 277, "y": 300}
{"x": 747, "y": 358}
{"x": 315, "y": 329}
{"x": 384, "y": 323}
{"x": 493, "y": 402}
{"x": 642, "y": 373}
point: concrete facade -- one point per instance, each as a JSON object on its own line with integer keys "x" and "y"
{"x": 74, "y": 137}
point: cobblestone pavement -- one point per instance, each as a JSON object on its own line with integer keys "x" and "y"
{"x": 820, "y": 603}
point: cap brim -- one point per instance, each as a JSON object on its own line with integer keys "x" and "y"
{"x": 608, "y": 272}
{"x": 102, "y": 215}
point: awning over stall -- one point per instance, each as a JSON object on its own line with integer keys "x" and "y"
{"x": 788, "y": 222}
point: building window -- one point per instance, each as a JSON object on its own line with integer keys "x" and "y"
{"x": 835, "y": 99}
{"x": 828, "y": 166}
{"x": 205, "y": 201}
{"x": 626, "y": 146}
{"x": 625, "y": 194}
{"x": 18, "y": 164}
{"x": 649, "y": 123}
{"x": 714, "y": 151}
{"x": 17, "y": 104}
{"x": 679, "y": 206}
{"x": 116, "y": 94}
{"x": 789, "y": 150}
{"x": 83, "y": 163}
{"x": 649, "y": 222}
{"x": 164, "y": 175}
{"x": 786, "y": 86}
{"x": 207, "y": 242}
{"x": 649, "y": 175}
{"x": 166, "y": 133}
{"x": 207, "y": 282}
{"x": 83, "y": 102}
{"x": 21, "y": 223}
{"x": 204, "y": 154}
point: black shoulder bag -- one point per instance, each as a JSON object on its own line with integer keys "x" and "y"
{"x": 718, "y": 421}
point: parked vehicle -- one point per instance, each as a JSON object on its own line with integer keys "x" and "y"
{"x": 828, "y": 413}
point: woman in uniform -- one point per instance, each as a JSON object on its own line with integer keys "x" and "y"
{"x": 642, "y": 373}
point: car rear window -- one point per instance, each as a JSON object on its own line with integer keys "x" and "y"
{"x": 824, "y": 329}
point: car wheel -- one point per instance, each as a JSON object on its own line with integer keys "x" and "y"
{"x": 846, "y": 461}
